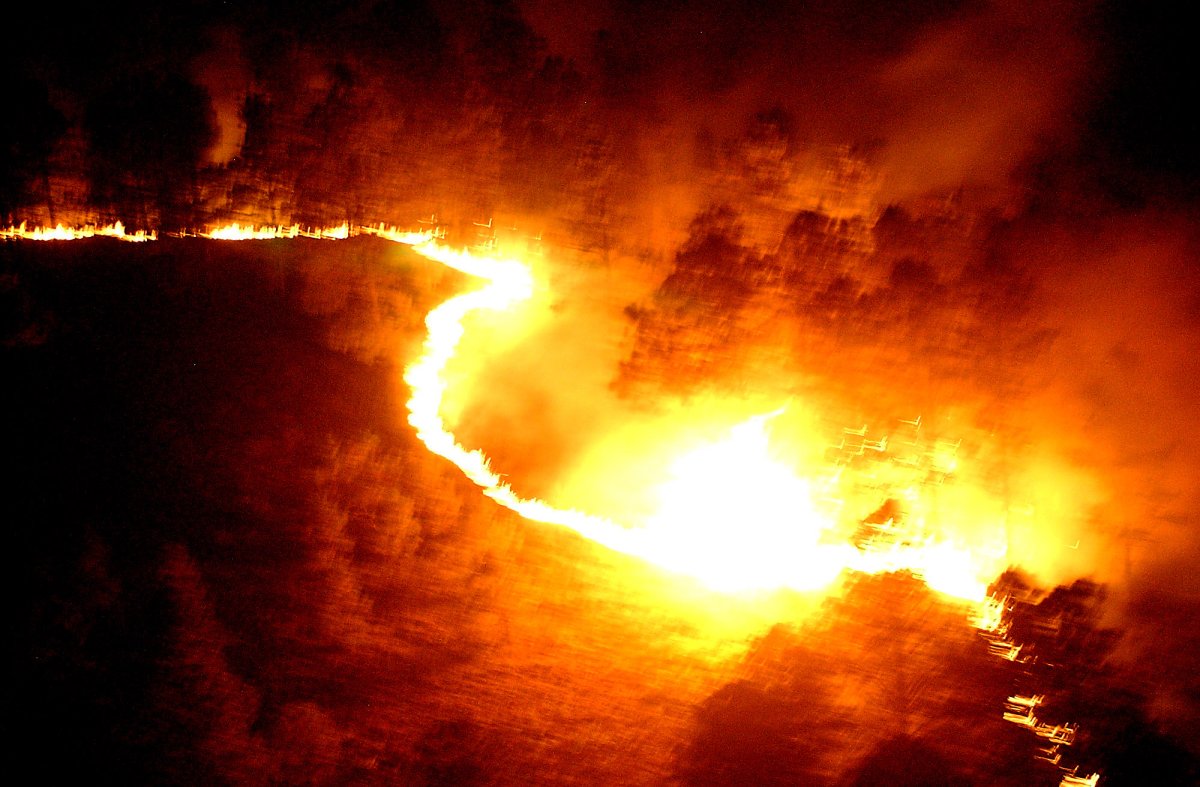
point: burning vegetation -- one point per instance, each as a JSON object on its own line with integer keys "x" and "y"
{"x": 735, "y": 403}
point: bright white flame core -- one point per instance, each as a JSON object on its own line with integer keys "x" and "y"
{"x": 740, "y": 520}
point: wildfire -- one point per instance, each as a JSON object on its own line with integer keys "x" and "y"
{"x": 731, "y": 513}
{"x": 250, "y": 232}
{"x": 60, "y": 232}
{"x": 735, "y": 513}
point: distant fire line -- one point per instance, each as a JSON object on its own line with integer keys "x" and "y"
{"x": 234, "y": 231}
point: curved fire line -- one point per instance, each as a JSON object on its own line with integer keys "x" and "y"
{"x": 812, "y": 565}
{"x": 509, "y": 283}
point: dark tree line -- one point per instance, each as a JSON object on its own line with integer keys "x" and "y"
{"x": 373, "y": 112}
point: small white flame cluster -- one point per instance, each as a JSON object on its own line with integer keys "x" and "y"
{"x": 1020, "y": 709}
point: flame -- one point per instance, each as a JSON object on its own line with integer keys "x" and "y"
{"x": 738, "y": 519}
{"x": 232, "y": 231}
{"x": 236, "y": 231}
{"x": 60, "y": 232}
{"x": 508, "y": 282}
{"x": 730, "y": 514}
{"x": 947, "y": 568}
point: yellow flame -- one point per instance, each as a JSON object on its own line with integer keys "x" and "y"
{"x": 730, "y": 514}
{"x": 59, "y": 232}
{"x": 236, "y": 231}
{"x": 738, "y": 519}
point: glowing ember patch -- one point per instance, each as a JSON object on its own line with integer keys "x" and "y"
{"x": 989, "y": 617}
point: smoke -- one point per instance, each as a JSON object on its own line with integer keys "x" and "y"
{"x": 943, "y": 104}
{"x": 937, "y": 212}
{"x": 940, "y": 96}
{"x": 222, "y": 71}
{"x": 1071, "y": 410}
{"x": 1117, "y": 384}
{"x": 977, "y": 95}
{"x": 966, "y": 98}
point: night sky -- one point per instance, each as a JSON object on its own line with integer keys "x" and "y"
{"x": 235, "y": 561}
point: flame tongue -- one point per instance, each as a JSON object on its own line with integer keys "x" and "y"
{"x": 508, "y": 282}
